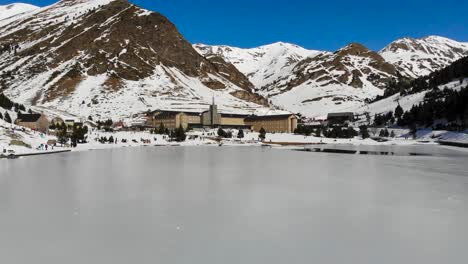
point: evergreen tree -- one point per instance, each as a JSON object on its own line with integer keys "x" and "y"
{"x": 78, "y": 134}
{"x": 62, "y": 134}
{"x": 161, "y": 130}
{"x": 392, "y": 134}
{"x": 7, "y": 117}
{"x": 111, "y": 140}
{"x": 350, "y": 132}
{"x": 398, "y": 111}
{"x": 240, "y": 134}
{"x": 364, "y": 132}
{"x": 382, "y": 133}
{"x": 179, "y": 134}
{"x": 221, "y": 133}
{"x": 413, "y": 130}
{"x": 262, "y": 134}
{"x": 5, "y": 102}
{"x": 318, "y": 132}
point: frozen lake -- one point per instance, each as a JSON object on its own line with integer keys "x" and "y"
{"x": 233, "y": 205}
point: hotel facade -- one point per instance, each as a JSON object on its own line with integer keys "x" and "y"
{"x": 282, "y": 123}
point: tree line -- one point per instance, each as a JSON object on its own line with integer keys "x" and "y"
{"x": 458, "y": 70}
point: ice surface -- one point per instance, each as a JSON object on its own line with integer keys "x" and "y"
{"x": 232, "y": 205}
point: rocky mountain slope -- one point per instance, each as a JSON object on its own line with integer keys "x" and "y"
{"x": 10, "y": 10}
{"x": 306, "y": 81}
{"x": 314, "y": 83}
{"x": 110, "y": 58}
{"x": 418, "y": 57}
{"x": 262, "y": 65}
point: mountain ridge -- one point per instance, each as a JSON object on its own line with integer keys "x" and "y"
{"x": 86, "y": 55}
{"x": 342, "y": 80}
{"x": 111, "y": 57}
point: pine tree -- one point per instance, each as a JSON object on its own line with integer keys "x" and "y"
{"x": 7, "y": 118}
{"x": 262, "y": 134}
{"x": 364, "y": 132}
{"x": 382, "y": 133}
{"x": 398, "y": 112}
{"x": 318, "y": 132}
{"x": 240, "y": 134}
{"x": 161, "y": 130}
{"x": 179, "y": 134}
{"x": 62, "y": 135}
{"x": 221, "y": 133}
{"x": 413, "y": 130}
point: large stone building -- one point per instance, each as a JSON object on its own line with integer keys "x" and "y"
{"x": 273, "y": 123}
{"x": 36, "y": 122}
{"x": 174, "y": 119}
{"x": 284, "y": 123}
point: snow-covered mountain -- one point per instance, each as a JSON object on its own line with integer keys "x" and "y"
{"x": 307, "y": 81}
{"x": 419, "y": 57}
{"x": 317, "y": 82}
{"x": 110, "y": 58}
{"x": 263, "y": 65}
{"x": 10, "y": 10}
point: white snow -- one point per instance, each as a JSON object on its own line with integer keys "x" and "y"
{"x": 419, "y": 57}
{"x": 11, "y": 10}
{"x": 262, "y": 65}
{"x": 406, "y": 102}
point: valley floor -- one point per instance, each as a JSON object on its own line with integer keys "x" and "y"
{"x": 19, "y": 141}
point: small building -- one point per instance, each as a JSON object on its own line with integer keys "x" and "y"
{"x": 56, "y": 121}
{"x": 286, "y": 123}
{"x": 36, "y": 122}
{"x": 340, "y": 118}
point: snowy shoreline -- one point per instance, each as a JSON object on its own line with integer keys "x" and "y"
{"x": 18, "y": 141}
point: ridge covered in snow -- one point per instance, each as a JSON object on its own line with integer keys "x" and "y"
{"x": 262, "y": 65}
{"x": 419, "y": 57}
{"x": 314, "y": 83}
{"x": 11, "y": 10}
{"x": 112, "y": 59}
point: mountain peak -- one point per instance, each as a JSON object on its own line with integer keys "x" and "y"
{"x": 353, "y": 49}
{"x": 14, "y": 9}
{"x": 416, "y": 57}
{"x": 97, "y": 51}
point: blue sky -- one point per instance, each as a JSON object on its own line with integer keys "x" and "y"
{"x": 324, "y": 25}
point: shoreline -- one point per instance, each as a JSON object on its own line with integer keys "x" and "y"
{"x": 230, "y": 143}
{"x": 15, "y": 156}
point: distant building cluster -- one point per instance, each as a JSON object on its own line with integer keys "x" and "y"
{"x": 41, "y": 123}
{"x": 212, "y": 118}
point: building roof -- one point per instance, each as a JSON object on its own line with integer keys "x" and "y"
{"x": 29, "y": 118}
{"x": 234, "y": 115}
{"x": 268, "y": 117}
{"x": 173, "y": 113}
{"x": 343, "y": 114}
